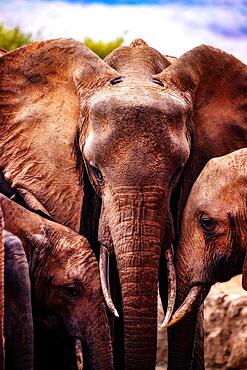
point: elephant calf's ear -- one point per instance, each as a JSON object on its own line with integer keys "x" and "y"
{"x": 244, "y": 277}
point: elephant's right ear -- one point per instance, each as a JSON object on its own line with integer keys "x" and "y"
{"x": 44, "y": 89}
{"x": 214, "y": 85}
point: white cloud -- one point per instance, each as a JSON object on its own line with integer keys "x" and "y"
{"x": 172, "y": 29}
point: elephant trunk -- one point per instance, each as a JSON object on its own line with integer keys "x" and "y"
{"x": 185, "y": 337}
{"x": 137, "y": 227}
{"x": 181, "y": 336}
{"x": 139, "y": 280}
{"x": 98, "y": 339}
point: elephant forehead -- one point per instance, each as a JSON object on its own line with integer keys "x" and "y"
{"x": 133, "y": 100}
{"x": 145, "y": 114}
{"x": 221, "y": 186}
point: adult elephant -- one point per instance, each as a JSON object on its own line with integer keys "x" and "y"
{"x": 215, "y": 84}
{"x": 142, "y": 129}
{"x": 66, "y": 292}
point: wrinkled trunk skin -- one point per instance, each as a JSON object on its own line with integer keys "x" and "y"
{"x": 185, "y": 339}
{"x": 137, "y": 224}
{"x": 99, "y": 345}
{"x": 18, "y": 312}
{"x": 181, "y": 342}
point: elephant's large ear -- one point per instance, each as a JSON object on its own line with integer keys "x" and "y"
{"x": 44, "y": 89}
{"x": 216, "y": 84}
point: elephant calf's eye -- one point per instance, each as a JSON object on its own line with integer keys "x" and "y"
{"x": 208, "y": 224}
{"x": 72, "y": 291}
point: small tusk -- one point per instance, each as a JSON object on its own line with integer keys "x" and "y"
{"x": 189, "y": 303}
{"x": 172, "y": 286}
{"x": 104, "y": 278}
{"x": 79, "y": 354}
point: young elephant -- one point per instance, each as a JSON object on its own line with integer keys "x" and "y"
{"x": 213, "y": 239}
{"x": 65, "y": 282}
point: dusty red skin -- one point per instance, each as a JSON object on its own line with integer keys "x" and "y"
{"x": 212, "y": 244}
{"x": 139, "y": 131}
{"x": 65, "y": 280}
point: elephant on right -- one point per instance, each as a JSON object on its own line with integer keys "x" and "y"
{"x": 213, "y": 241}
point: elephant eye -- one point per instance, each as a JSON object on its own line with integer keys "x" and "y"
{"x": 175, "y": 177}
{"x": 207, "y": 224}
{"x": 72, "y": 291}
{"x": 117, "y": 80}
{"x": 156, "y": 81}
{"x": 97, "y": 174}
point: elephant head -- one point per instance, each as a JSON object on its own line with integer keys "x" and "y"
{"x": 65, "y": 281}
{"x": 212, "y": 245}
{"x": 141, "y": 127}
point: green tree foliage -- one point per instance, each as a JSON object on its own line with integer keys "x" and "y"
{"x": 101, "y": 48}
{"x": 13, "y": 38}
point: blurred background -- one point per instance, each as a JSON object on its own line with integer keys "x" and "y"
{"x": 171, "y": 26}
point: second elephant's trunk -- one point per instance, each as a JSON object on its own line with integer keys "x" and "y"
{"x": 137, "y": 221}
{"x": 185, "y": 338}
{"x": 98, "y": 339}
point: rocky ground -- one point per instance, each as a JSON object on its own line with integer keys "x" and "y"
{"x": 225, "y": 328}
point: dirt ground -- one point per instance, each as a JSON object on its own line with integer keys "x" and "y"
{"x": 225, "y": 328}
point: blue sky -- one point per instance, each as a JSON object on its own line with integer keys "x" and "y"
{"x": 172, "y": 27}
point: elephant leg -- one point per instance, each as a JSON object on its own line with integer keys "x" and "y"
{"x": 18, "y": 308}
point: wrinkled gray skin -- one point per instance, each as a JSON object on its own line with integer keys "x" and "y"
{"x": 213, "y": 240}
{"x": 18, "y": 320}
{"x": 66, "y": 291}
{"x": 141, "y": 127}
